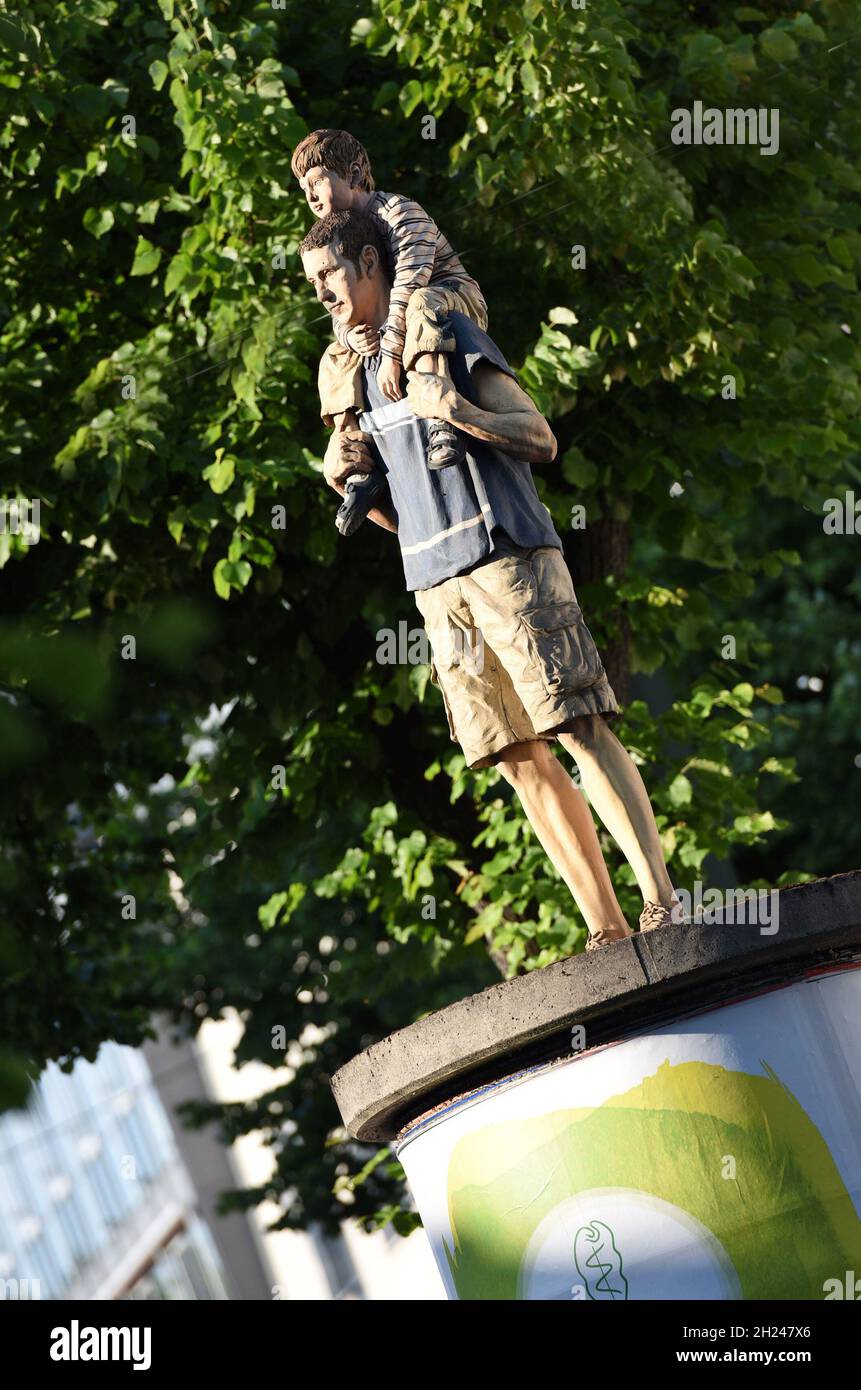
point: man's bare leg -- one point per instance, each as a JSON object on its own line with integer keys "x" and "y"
{"x": 612, "y": 782}
{"x": 563, "y": 823}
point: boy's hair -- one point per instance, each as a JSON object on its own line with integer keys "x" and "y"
{"x": 332, "y": 149}
{"x": 349, "y": 231}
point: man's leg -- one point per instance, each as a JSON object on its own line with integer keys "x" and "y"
{"x": 564, "y": 826}
{"x": 613, "y": 784}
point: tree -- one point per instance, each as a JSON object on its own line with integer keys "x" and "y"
{"x": 222, "y": 798}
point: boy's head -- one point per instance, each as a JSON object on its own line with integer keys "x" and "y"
{"x": 346, "y": 261}
{"x": 331, "y": 166}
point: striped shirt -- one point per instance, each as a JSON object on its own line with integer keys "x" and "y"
{"x": 446, "y": 518}
{"x": 421, "y": 256}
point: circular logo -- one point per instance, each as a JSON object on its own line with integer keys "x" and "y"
{"x": 613, "y": 1244}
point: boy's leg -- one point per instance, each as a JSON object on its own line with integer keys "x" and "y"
{"x": 436, "y": 362}
{"x": 563, "y": 823}
{"x": 444, "y": 446}
{"x": 428, "y": 341}
{"x": 613, "y": 784}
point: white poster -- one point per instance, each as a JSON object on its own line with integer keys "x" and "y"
{"x": 716, "y": 1158}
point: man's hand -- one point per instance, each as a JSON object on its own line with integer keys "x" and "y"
{"x": 389, "y": 379}
{"x": 431, "y": 397}
{"x": 364, "y": 339}
{"x": 347, "y": 452}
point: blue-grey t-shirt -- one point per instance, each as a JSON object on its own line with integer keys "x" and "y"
{"x": 445, "y": 516}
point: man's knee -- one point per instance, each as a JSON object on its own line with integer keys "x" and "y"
{"x": 524, "y": 764}
{"x": 587, "y": 733}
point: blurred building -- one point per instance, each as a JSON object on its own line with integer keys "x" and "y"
{"x": 104, "y": 1196}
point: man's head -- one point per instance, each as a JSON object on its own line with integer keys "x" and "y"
{"x": 332, "y": 168}
{"x": 346, "y": 260}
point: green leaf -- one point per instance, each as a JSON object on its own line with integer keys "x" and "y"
{"x": 220, "y": 474}
{"x": 680, "y": 790}
{"x": 158, "y": 71}
{"x": 562, "y": 315}
{"x": 779, "y": 45}
{"x": 386, "y": 94}
{"x": 178, "y": 270}
{"x": 146, "y": 259}
{"x": 529, "y": 78}
{"x": 411, "y": 95}
{"x": 98, "y": 221}
{"x": 230, "y": 574}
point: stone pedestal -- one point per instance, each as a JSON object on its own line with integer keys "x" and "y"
{"x": 677, "y": 1116}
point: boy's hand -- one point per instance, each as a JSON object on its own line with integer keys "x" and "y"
{"x": 431, "y": 397}
{"x": 364, "y": 339}
{"x": 389, "y": 379}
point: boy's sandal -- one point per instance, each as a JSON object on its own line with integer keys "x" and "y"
{"x": 445, "y": 447}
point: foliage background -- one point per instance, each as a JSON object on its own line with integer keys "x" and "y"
{"x": 164, "y": 252}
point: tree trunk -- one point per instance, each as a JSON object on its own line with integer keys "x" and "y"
{"x": 602, "y": 549}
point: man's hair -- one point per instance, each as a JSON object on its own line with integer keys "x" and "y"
{"x": 332, "y": 149}
{"x": 348, "y": 232}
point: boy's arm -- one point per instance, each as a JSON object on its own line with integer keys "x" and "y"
{"x": 413, "y": 235}
{"x": 342, "y": 333}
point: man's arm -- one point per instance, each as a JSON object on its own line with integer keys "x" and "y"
{"x": 503, "y": 414}
{"x": 348, "y": 452}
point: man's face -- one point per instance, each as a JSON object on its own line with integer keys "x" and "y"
{"x": 325, "y": 191}
{"x": 348, "y": 295}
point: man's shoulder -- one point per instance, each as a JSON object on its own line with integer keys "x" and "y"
{"x": 475, "y": 345}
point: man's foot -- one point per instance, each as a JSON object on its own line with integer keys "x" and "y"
{"x": 656, "y": 915}
{"x": 445, "y": 446}
{"x": 603, "y": 936}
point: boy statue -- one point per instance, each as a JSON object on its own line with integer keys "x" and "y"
{"x": 429, "y": 282}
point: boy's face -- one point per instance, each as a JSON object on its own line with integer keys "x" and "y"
{"x": 326, "y": 191}
{"x": 349, "y": 296}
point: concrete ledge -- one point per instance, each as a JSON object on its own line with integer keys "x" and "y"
{"x": 626, "y": 985}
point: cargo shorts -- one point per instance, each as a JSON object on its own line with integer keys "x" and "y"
{"x": 512, "y": 655}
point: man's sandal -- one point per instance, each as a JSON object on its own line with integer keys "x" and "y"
{"x": 655, "y": 915}
{"x": 604, "y": 938}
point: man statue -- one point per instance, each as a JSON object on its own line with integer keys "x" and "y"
{"x": 512, "y": 656}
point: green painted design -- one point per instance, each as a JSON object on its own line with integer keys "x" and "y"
{"x": 599, "y": 1263}
{"x": 786, "y": 1221}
